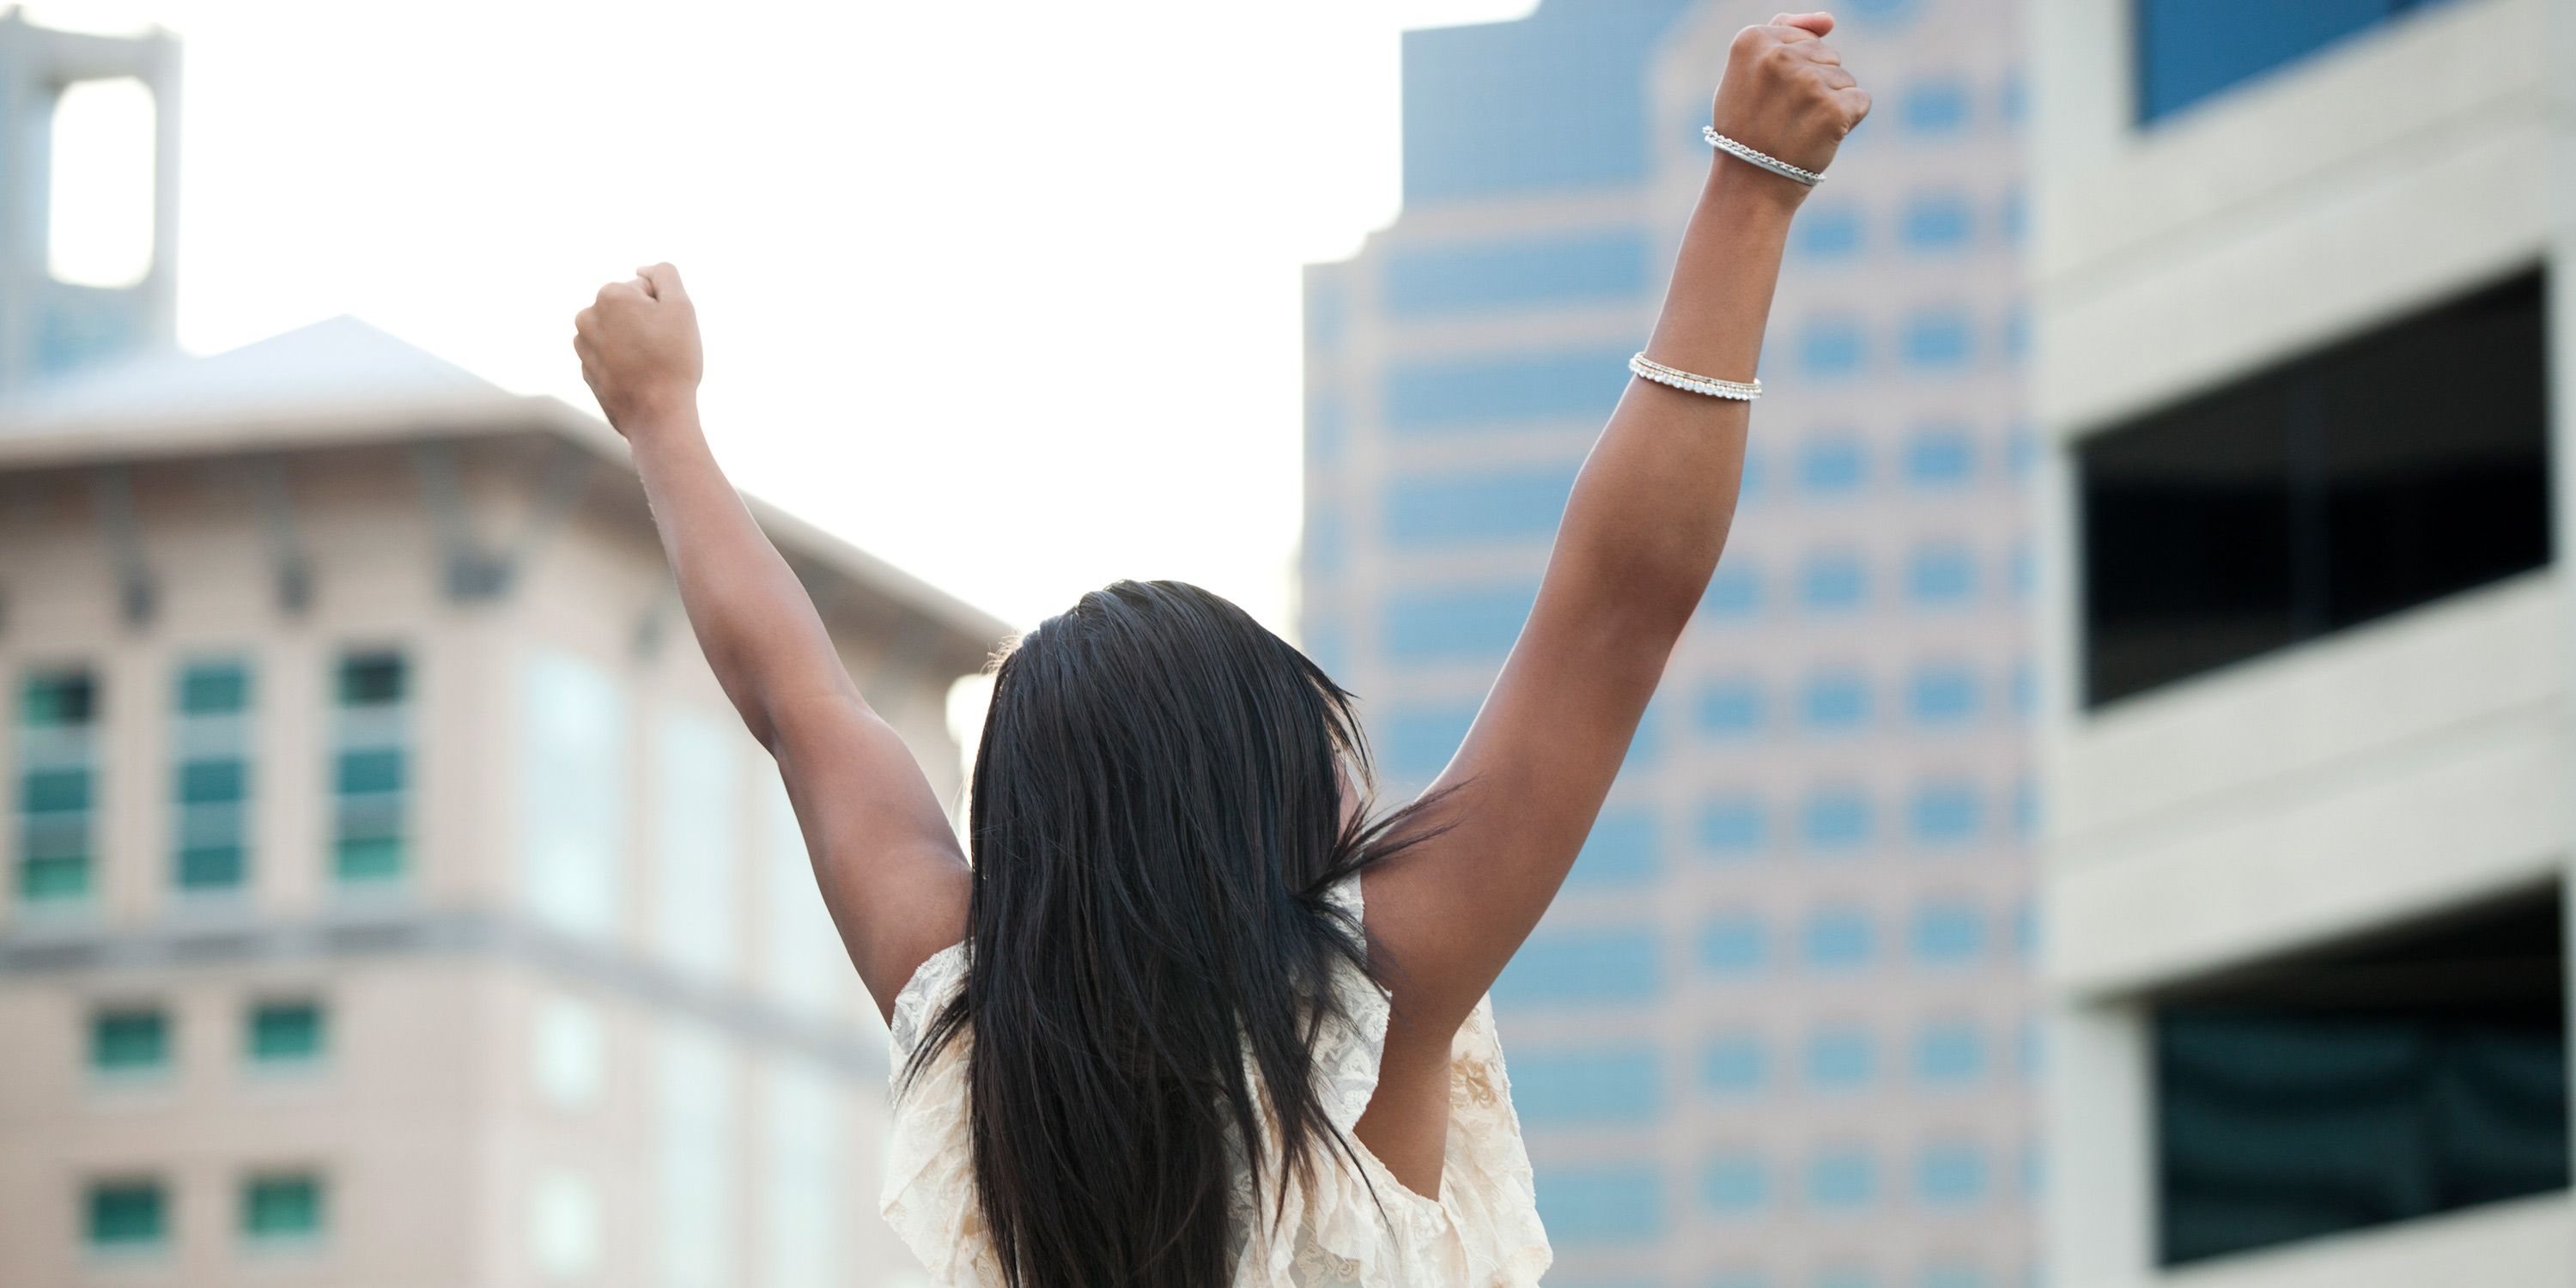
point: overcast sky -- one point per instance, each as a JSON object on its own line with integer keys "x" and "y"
{"x": 1005, "y": 292}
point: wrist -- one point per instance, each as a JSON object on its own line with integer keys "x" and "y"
{"x": 1748, "y": 191}
{"x": 662, "y": 415}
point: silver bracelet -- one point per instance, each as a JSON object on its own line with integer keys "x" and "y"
{"x": 1754, "y": 157}
{"x": 1645, "y": 368}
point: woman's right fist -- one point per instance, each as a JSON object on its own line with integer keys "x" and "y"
{"x": 1785, "y": 92}
{"x": 638, "y": 343}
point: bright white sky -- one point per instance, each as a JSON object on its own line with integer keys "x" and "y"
{"x": 1005, "y": 292}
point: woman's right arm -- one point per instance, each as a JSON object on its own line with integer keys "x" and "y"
{"x": 1641, "y": 534}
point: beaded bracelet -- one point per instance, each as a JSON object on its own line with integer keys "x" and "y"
{"x": 1765, "y": 160}
{"x": 1645, "y": 368}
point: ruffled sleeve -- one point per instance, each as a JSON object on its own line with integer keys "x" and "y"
{"x": 929, "y": 1192}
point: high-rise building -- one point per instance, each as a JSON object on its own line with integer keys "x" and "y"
{"x": 1773, "y": 1033}
{"x": 2302, "y": 342}
{"x": 391, "y": 895}
{"x": 49, "y": 326}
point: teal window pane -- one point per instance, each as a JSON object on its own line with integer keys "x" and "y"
{"x": 56, "y": 877}
{"x": 286, "y": 1032}
{"x": 129, "y": 1041}
{"x": 54, "y": 791}
{"x": 211, "y": 867}
{"x": 127, "y": 1216}
{"x": 373, "y": 679}
{"x": 58, "y": 700}
{"x": 1602, "y": 1204}
{"x": 213, "y": 781}
{"x": 378, "y": 769}
{"x": 281, "y": 1207}
{"x": 214, "y": 689}
{"x": 1584, "y": 967}
{"x": 1617, "y": 1085}
{"x": 357, "y": 859}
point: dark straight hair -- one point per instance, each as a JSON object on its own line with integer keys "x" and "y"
{"x": 1155, "y": 820}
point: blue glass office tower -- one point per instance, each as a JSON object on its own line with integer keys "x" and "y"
{"x": 1773, "y": 1035}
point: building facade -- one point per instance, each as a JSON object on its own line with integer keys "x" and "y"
{"x": 2300, "y": 344}
{"x": 392, "y": 896}
{"x": 1774, "y": 1032}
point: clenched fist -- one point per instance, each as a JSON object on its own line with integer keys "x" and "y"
{"x": 1785, "y": 92}
{"x": 639, "y": 348}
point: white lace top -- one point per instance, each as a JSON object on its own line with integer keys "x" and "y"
{"x": 1482, "y": 1232}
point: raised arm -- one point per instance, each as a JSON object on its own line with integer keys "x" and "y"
{"x": 889, "y": 866}
{"x": 1641, "y": 534}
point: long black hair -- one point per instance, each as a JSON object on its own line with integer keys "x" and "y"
{"x": 1156, "y": 817}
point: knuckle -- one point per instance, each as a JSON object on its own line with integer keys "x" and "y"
{"x": 1750, "y": 40}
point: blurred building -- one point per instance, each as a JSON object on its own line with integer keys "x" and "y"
{"x": 47, "y": 326}
{"x": 392, "y": 896}
{"x": 2306, "y": 747}
{"x": 1772, "y": 1034}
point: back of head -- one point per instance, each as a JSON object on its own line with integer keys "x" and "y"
{"x": 1156, "y": 819}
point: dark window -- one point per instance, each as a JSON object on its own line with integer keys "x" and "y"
{"x": 2188, "y": 50}
{"x": 2417, "y": 1071}
{"x": 371, "y": 679}
{"x": 2386, "y": 471}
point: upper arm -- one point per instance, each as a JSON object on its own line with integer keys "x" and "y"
{"x": 889, "y": 865}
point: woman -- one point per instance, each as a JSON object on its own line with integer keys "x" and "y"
{"x": 1190, "y": 1017}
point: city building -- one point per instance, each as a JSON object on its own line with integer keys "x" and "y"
{"x": 49, "y": 326}
{"x": 392, "y": 897}
{"x": 2298, "y": 310}
{"x": 1774, "y": 1033}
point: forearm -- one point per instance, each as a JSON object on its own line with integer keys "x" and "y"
{"x": 753, "y": 619}
{"x": 1650, "y": 510}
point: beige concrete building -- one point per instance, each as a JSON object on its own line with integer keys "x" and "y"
{"x": 2301, "y": 338}
{"x": 392, "y": 897}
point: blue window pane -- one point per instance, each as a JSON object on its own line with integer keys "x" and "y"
{"x": 1756, "y": 478}
{"x": 2021, "y": 448}
{"x": 1950, "y": 1173}
{"x": 1829, "y": 466}
{"x": 1416, "y": 742}
{"x": 1734, "y": 594}
{"x": 1620, "y": 1085}
{"x": 1949, "y": 932}
{"x": 1842, "y": 1178}
{"x": 1328, "y": 304}
{"x": 1438, "y": 511}
{"x": 1324, "y": 546}
{"x": 1733, "y": 1183}
{"x": 1839, "y": 938}
{"x": 1472, "y": 623}
{"x": 1942, "y": 693}
{"x": 1933, "y": 107}
{"x": 1841, "y": 1059}
{"x": 1549, "y": 103}
{"x": 1835, "y": 700}
{"x": 1945, "y": 813}
{"x": 1581, "y": 966}
{"x": 1732, "y": 826}
{"x": 2025, "y": 689}
{"x": 1830, "y": 349}
{"x": 1731, "y": 1064}
{"x": 1836, "y": 818}
{"x": 2025, "y": 808}
{"x": 1733, "y": 943}
{"x": 1730, "y": 708}
{"x": 1942, "y": 575}
{"x": 2025, "y": 931}
{"x": 1428, "y": 281}
{"x": 2029, "y": 1050}
{"x": 1940, "y": 456}
{"x": 1953, "y": 1274}
{"x": 1626, "y": 847}
{"x": 2016, "y": 334}
{"x": 1939, "y": 222}
{"x": 1939, "y": 340}
{"x": 1949, "y": 1053}
{"x": 1328, "y": 427}
{"x": 1583, "y": 1205}
{"x": 1832, "y": 581}
{"x": 1826, "y": 233}
{"x": 2188, "y": 50}
{"x": 1452, "y": 395}
{"x": 2012, "y": 217}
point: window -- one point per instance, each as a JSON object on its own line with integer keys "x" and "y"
{"x": 1431, "y": 397}
{"x": 284, "y": 1208}
{"x": 1949, "y": 932}
{"x": 127, "y": 1042}
{"x": 698, "y": 1156}
{"x": 1733, "y": 1064}
{"x": 1732, "y": 943}
{"x": 1835, "y": 700}
{"x": 1416, "y": 742}
{"x": 1940, "y": 456}
{"x": 2189, "y": 50}
{"x": 1591, "y": 1205}
{"x": 1950, "y": 1173}
{"x": 1625, "y": 847}
{"x": 1835, "y": 818}
{"x": 1839, "y": 938}
{"x": 1945, "y": 813}
{"x": 1612, "y": 964}
{"x": 2323, "y": 493}
{"x": 1939, "y": 223}
{"x": 1734, "y": 594}
{"x": 1949, "y": 1053}
{"x": 57, "y": 785}
{"x": 1826, "y": 232}
{"x": 286, "y": 1033}
{"x": 563, "y": 1225}
{"x": 1476, "y": 623}
{"x": 1732, "y": 825}
{"x": 1841, "y": 1058}
{"x": 1730, "y": 708}
{"x": 128, "y": 1217}
{"x": 371, "y": 768}
{"x": 2416, "y": 1070}
{"x": 1830, "y": 349}
{"x": 1449, "y": 510}
{"x": 1609, "y": 1085}
{"x": 1832, "y": 466}
{"x": 1941, "y": 575}
{"x": 1942, "y": 693}
{"x": 573, "y": 770}
{"x": 1841, "y": 1178}
{"x": 1939, "y": 339}
{"x": 1735, "y": 1182}
{"x": 1832, "y": 581}
{"x": 210, "y": 840}
{"x": 1479, "y": 278}
{"x": 568, "y": 1052}
{"x": 1933, "y": 107}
